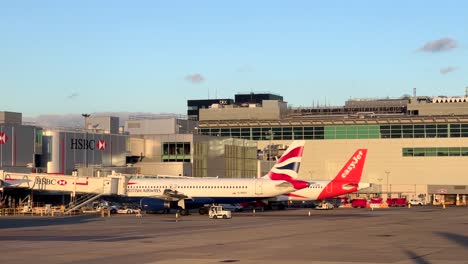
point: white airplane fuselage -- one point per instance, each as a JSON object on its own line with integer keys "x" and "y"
{"x": 210, "y": 190}
{"x": 319, "y": 190}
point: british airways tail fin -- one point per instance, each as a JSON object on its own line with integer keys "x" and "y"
{"x": 287, "y": 166}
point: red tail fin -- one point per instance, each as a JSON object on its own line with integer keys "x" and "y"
{"x": 347, "y": 180}
{"x": 352, "y": 171}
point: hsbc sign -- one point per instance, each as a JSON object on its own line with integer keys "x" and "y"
{"x": 91, "y": 144}
{"x": 101, "y": 145}
{"x": 3, "y": 138}
{"x": 47, "y": 181}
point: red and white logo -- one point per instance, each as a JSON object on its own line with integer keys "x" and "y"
{"x": 62, "y": 182}
{"x": 101, "y": 144}
{"x": 3, "y": 138}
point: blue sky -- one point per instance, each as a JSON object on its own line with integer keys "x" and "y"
{"x": 62, "y": 57}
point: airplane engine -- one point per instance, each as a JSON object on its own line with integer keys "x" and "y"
{"x": 152, "y": 204}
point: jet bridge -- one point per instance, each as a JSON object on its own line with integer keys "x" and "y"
{"x": 115, "y": 184}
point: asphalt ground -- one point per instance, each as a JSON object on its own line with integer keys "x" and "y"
{"x": 395, "y": 235}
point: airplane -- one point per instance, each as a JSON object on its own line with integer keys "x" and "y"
{"x": 184, "y": 193}
{"x": 348, "y": 180}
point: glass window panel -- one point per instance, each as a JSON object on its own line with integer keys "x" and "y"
{"x": 464, "y": 151}
{"x": 454, "y": 151}
{"x": 340, "y": 129}
{"x": 418, "y": 152}
{"x": 340, "y": 136}
{"x": 407, "y": 152}
{"x": 442, "y": 151}
{"x": 431, "y": 131}
{"x": 363, "y": 129}
{"x": 385, "y": 134}
{"x": 432, "y": 152}
{"x": 395, "y": 133}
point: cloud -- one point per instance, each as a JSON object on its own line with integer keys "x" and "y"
{"x": 447, "y": 70}
{"x": 73, "y": 96}
{"x": 195, "y": 78}
{"x": 440, "y": 45}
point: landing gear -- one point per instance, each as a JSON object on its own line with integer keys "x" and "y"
{"x": 183, "y": 211}
{"x": 203, "y": 210}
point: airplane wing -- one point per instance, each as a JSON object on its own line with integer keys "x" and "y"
{"x": 171, "y": 195}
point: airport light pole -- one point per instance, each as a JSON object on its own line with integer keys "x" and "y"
{"x": 388, "y": 185}
{"x": 86, "y": 138}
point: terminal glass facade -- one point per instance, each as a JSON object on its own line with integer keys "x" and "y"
{"x": 450, "y": 130}
{"x": 435, "y": 152}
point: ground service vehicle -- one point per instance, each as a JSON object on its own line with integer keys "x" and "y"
{"x": 396, "y": 201}
{"x": 359, "y": 202}
{"x": 217, "y": 211}
{"x": 324, "y": 205}
{"x": 416, "y": 202}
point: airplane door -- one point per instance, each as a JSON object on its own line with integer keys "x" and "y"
{"x": 329, "y": 188}
{"x": 258, "y": 187}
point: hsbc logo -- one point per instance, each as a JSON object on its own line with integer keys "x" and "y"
{"x": 101, "y": 145}
{"x": 3, "y": 138}
{"x": 91, "y": 144}
{"x": 62, "y": 182}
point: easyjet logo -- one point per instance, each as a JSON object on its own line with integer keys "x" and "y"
{"x": 3, "y": 138}
{"x": 352, "y": 165}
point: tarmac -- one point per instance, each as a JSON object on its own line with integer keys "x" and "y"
{"x": 396, "y": 235}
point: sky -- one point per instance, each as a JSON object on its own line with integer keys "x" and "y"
{"x": 72, "y": 57}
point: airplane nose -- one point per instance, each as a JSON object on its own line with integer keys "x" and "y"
{"x": 298, "y": 185}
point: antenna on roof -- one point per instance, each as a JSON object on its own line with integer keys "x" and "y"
{"x": 414, "y": 92}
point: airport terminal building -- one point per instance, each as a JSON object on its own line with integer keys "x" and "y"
{"x": 417, "y": 146}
